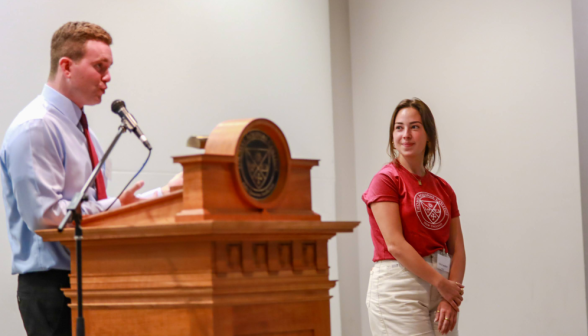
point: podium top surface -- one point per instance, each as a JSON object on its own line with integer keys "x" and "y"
{"x": 245, "y": 183}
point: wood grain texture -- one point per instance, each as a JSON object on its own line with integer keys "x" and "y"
{"x": 206, "y": 260}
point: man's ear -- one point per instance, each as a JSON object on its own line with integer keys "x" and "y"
{"x": 65, "y": 64}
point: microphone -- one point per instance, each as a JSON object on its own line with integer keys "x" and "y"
{"x": 118, "y": 106}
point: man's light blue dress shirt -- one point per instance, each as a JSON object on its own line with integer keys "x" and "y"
{"x": 45, "y": 161}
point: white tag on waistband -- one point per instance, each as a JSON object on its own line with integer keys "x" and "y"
{"x": 443, "y": 262}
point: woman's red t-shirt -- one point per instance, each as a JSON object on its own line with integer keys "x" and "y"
{"x": 425, "y": 210}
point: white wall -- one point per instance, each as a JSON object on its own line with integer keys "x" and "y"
{"x": 345, "y": 191}
{"x": 182, "y": 67}
{"x": 580, "y": 19}
{"x": 499, "y": 77}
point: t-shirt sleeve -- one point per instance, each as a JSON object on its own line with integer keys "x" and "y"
{"x": 454, "y": 207}
{"x": 383, "y": 188}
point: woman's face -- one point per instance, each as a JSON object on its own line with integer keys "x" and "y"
{"x": 410, "y": 138}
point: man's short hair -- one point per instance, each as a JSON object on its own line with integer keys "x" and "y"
{"x": 70, "y": 39}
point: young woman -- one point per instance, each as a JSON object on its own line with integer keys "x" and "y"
{"x": 415, "y": 286}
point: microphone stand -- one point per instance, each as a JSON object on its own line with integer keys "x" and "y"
{"x": 74, "y": 212}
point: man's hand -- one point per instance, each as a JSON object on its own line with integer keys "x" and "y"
{"x": 128, "y": 196}
{"x": 446, "y": 317}
{"x": 176, "y": 181}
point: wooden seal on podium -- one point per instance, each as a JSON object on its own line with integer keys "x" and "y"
{"x": 237, "y": 251}
{"x": 245, "y": 173}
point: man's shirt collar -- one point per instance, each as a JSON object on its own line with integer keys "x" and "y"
{"x": 63, "y": 104}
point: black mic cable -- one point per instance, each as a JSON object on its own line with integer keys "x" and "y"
{"x": 118, "y": 107}
{"x": 125, "y": 188}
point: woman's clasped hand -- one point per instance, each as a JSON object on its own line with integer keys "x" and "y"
{"x": 446, "y": 317}
{"x": 452, "y": 292}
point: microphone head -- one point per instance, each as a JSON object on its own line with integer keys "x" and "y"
{"x": 117, "y": 105}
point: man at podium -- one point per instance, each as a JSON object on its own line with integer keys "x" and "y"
{"x": 47, "y": 155}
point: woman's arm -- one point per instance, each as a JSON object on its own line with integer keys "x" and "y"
{"x": 457, "y": 250}
{"x": 387, "y": 215}
{"x": 446, "y": 316}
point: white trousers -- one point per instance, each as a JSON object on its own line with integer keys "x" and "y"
{"x": 400, "y": 303}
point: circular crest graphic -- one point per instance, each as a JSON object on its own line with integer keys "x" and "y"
{"x": 431, "y": 211}
{"x": 259, "y": 164}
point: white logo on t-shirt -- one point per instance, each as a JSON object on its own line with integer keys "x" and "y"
{"x": 431, "y": 211}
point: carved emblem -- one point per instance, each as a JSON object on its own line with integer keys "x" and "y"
{"x": 259, "y": 164}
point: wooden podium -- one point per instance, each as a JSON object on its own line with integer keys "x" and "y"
{"x": 237, "y": 251}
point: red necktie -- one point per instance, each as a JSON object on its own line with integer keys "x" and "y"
{"x": 100, "y": 186}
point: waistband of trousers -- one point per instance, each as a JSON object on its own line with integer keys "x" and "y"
{"x": 48, "y": 278}
{"x": 430, "y": 258}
